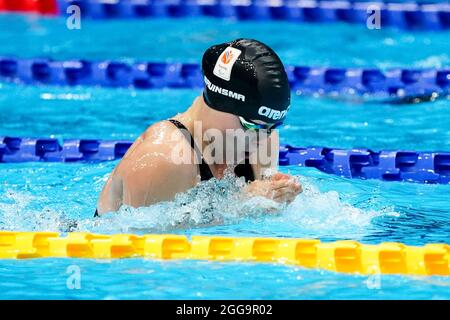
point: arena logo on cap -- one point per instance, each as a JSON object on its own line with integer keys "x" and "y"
{"x": 225, "y": 63}
{"x": 271, "y": 113}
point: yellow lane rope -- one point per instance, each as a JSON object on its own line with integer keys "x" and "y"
{"x": 340, "y": 256}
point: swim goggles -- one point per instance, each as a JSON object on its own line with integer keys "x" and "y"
{"x": 249, "y": 125}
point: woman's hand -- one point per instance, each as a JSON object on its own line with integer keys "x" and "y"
{"x": 280, "y": 187}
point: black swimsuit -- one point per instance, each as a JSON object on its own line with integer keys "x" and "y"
{"x": 242, "y": 170}
{"x": 205, "y": 171}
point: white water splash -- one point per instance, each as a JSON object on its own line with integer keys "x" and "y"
{"x": 317, "y": 210}
{"x": 16, "y": 214}
{"x": 214, "y": 202}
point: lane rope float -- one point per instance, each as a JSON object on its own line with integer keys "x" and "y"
{"x": 394, "y": 165}
{"x": 45, "y": 7}
{"x": 387, "y": 165}
{"x": 340, "y": 256}
{"x": 408, "y": 15}
{"x": 304, "y": 80}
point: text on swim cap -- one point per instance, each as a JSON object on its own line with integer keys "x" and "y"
{"x": 212, "y": 87}
{"x": 271, "y": 113}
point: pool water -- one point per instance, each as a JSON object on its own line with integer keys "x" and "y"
{"x": 184, "y": 40}
{"x": 62, "y": 197}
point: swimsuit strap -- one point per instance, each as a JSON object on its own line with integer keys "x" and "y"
{"x": 205, "y": 171}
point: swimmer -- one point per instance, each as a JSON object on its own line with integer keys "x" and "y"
{"x": 246, "y": 90}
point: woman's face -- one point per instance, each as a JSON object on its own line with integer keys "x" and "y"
{"x": 229, "y": 137}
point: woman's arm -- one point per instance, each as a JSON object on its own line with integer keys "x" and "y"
{"x": 267, "y": 163}
{"x": 149, "y": 176}
{"x": 269, "y": 182}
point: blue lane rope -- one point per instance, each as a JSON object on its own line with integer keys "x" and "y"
{"x": 422, "y": 167}
{"x": 410, "y": 15}
{"x": 147, "y": 75}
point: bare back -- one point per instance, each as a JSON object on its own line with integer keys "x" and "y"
{"x": 146, "y": 174}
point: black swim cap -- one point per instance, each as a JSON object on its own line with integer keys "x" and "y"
{"x": 246, "y": 78}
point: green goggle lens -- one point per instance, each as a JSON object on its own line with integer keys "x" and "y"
{"x": 249, "y": 125}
